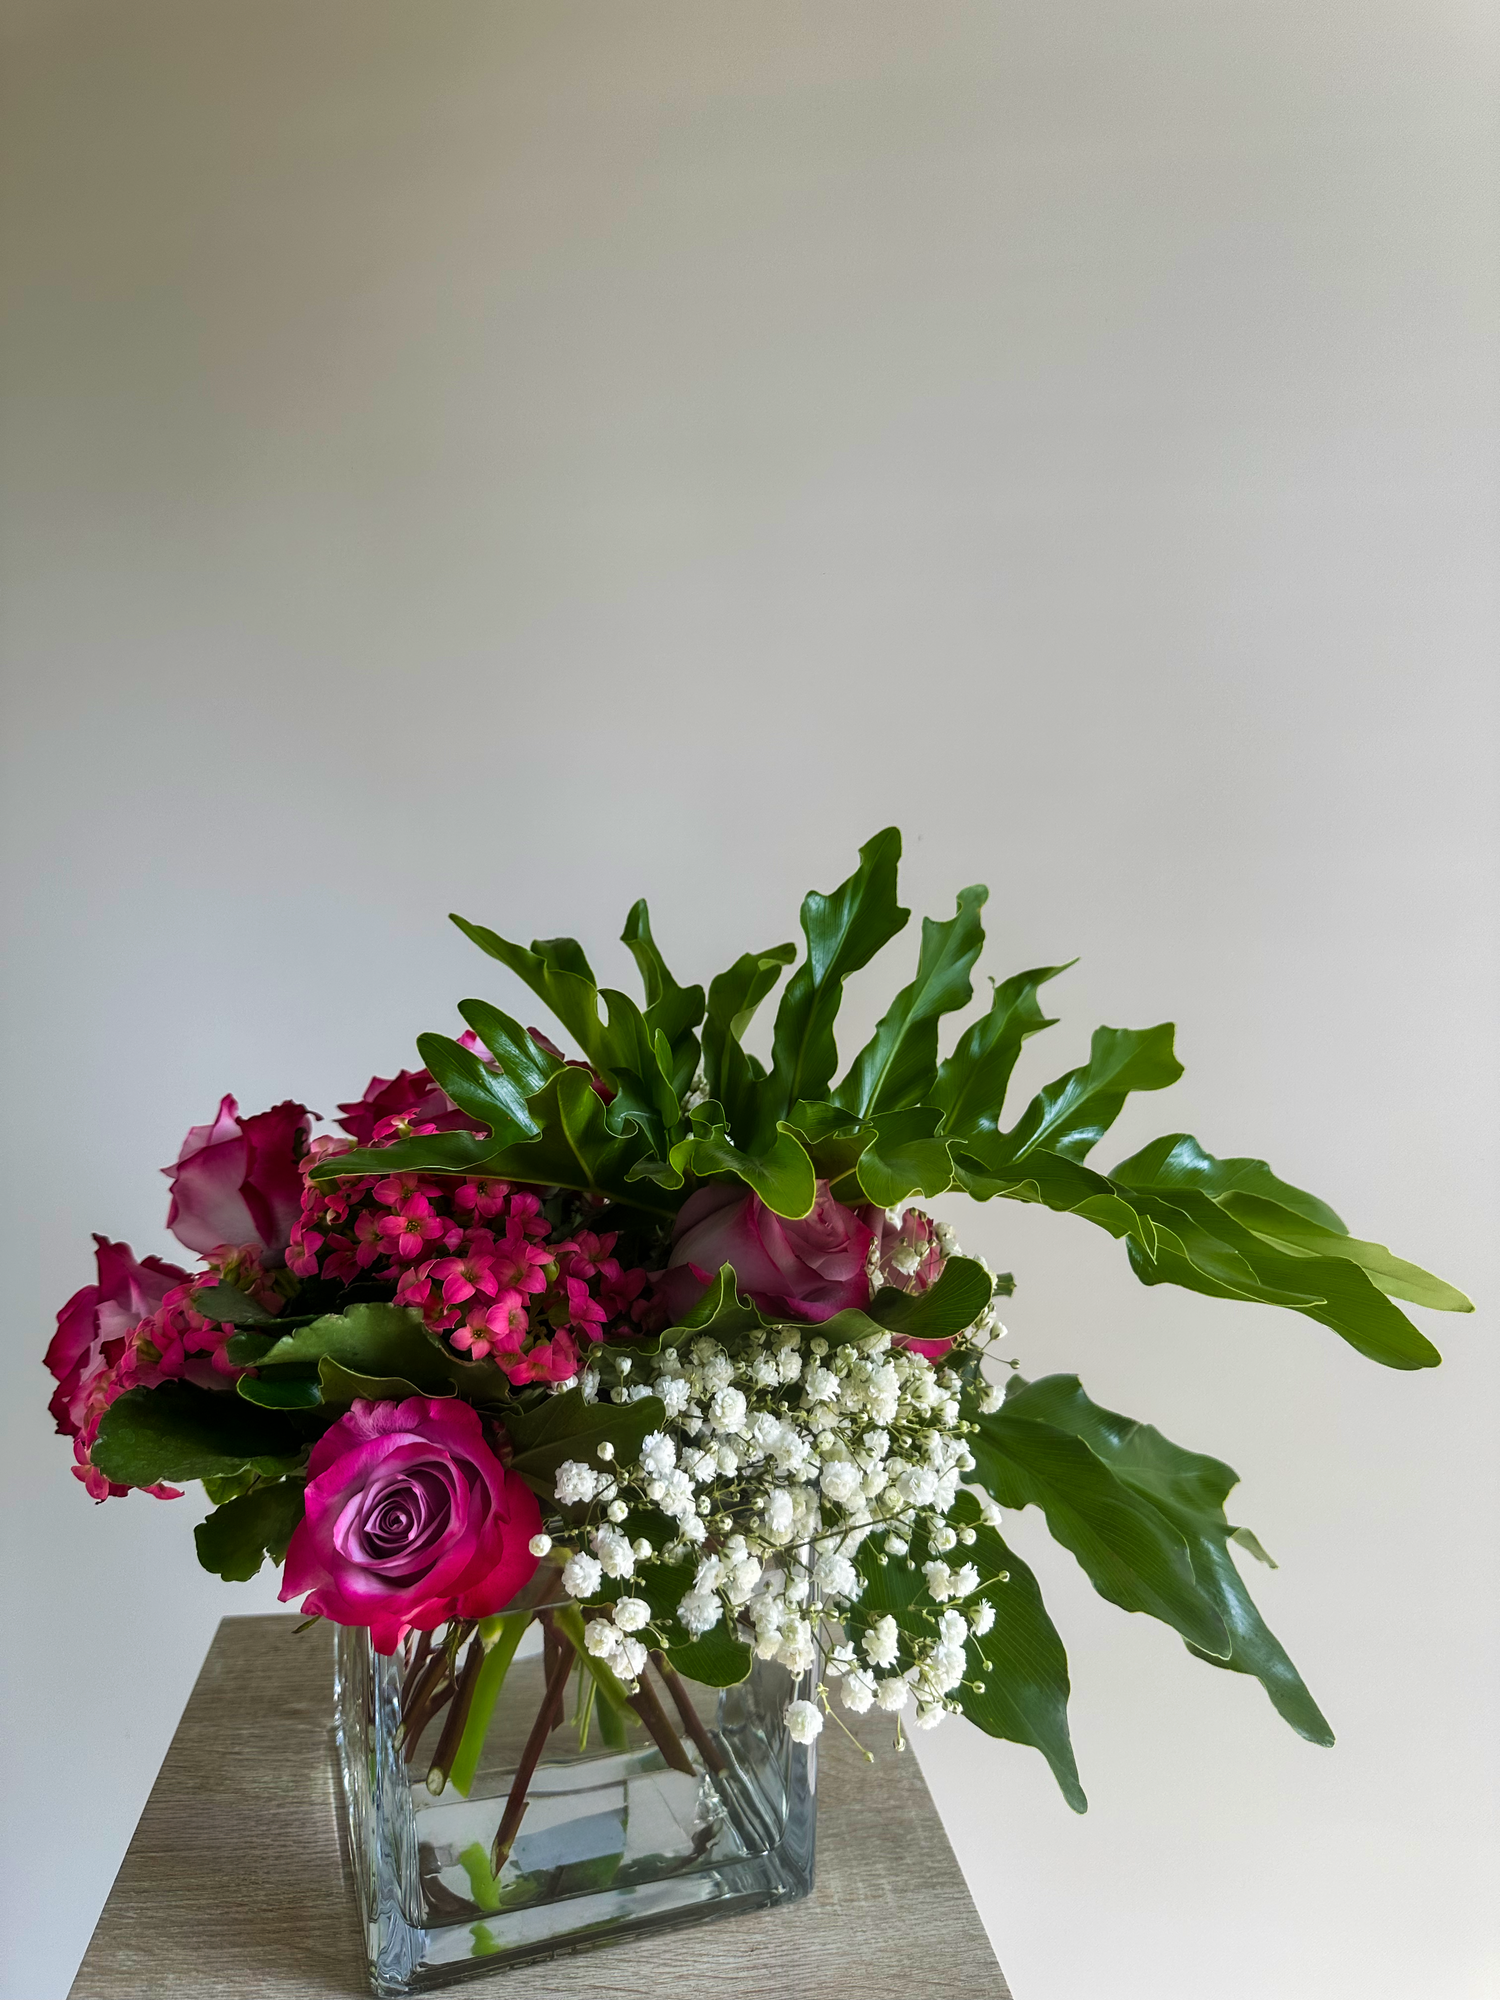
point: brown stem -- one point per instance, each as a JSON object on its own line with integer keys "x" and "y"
{"x": 541, "y": 1729}
{"x": 646, "y": 1705}
{"x": 431, "y": 1708}
{"x": 692, "y": 1722}
{"x": 458, "y": 1715}
{"x": 414, "y": 1670}
{"x": 553, "y": 1644}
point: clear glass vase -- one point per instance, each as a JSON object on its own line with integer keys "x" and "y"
{"x": 561, "y": 1831}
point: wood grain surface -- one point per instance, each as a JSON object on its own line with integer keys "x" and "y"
{"x": 235, "y": 1884}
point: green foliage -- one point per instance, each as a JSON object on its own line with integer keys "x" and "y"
{"x": 1020, "y": 1660}
{"x": 565, "y": 1426}
{"x": 730, "y": 1075}
{"x": 898, "y": 1065}
{"x": 179, "y": 1431}
{"x": 943, "y": 1310}
{"x": 236, "y": 1538}
{"x": 367, "y": 1350}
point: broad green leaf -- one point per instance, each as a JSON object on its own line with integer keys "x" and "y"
{"x": 1129, "y": 1550}
{"x": 832, "y": 1137}
{"x": 905, "y": 1158}
{"x": 281, "y": 1392}
{"x": 717, "y": 1659}
{"x": 1203, "y": 1248}
{"x": 525, "y": 1062}
{"x": 719, "y": 1312}
{"x": 431, "y": 1153}
{"x": 1288, "y": 1218}
{"x": 179, "y": 1431}
{"x": 1178, "y": 1161}
{"x": 236, "y": 1539}
{"x": 1069, "y": 1116}
{"x": 348, "y": 1385}
{"x": 385, "y": 1341}
{"x": 565, "y": 1426}
{"x": 971, "y": 1084}
{"x": 844, "y": 931}
{"x": 1190, "y": 1490}
{"x": 898, "y": 1065}
{"x": 962, "y": 1292}
{"x": 558, "y": 973}
{"x": 486, "y": 1094}
{"x": 229, "y": 1306}
{"x": 1298, "y": 1237}
{"x": 671, "y": 1010}
{"x": 576, "y": 1148}
{"x": 782, "y": 1176}
{"x": 729, "y": 1074}
{"x": 1020, "y": 1661}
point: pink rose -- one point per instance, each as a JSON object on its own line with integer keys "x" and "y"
{"x": 238, "y": 1182}
{"x": 410, "y": 1095}
{"x": 411, "y": 1520}
{"x": 93, "y": 1326}
{"x": 806, "y": 1270}
{"x": 909, "y": 1256}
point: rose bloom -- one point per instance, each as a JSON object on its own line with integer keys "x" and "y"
{"x": 909, "y": 1256}
{"x": 93, "y": 1326}
{"x": 410, "y": 1520}
{"x": 238, "y": 1182}
{"x": 808, "y": 1269}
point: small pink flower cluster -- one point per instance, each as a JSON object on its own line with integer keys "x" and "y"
{"x": 135, "y": 1328}
{"x": 473, "y": 1258}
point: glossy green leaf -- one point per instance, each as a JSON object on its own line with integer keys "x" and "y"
{"x": 897, "y": 1067}
{"x": 525, "y": 1062}
{"x": 576, "y": 1149}
{"x": 179, "y": 1431}
{"x": 971, "y": 1084}
{"x": 905, "y": 1158}
{"x": 349, "y": 1385}
{"x": 1069, "y": 1116}
{"x": 1201, "y": 1247}
{"x": 672, "y": 1010}
{"x": 281, "y": 1392}
{"x": 565, "y": 1426}
{"x": 1289, "y": 1219}
{"x": 484, "y": 1093}
{"x": 1178, "y": 1161}
{"x": 1129, "y": 1550}
{"x": 385, "y": 1341}
{"x": 236, "y": 1538}
{"x": 962, "y": 1292}
{"x": 1190, "y": 1490}
{"x": 431, "y": 1153}
{"x": 730, "y": 1075}
{"x": 717, "y": 1659}
{"x": 832, "y": 1138}
{"x": 227, "y": 1305}
{"x": 558, "y": 973}
{"x": 782, "y": 1175}
{"x": 844, "y": 931}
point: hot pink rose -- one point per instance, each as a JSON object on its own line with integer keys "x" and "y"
{"x": 93, "y": 1326}
{"x": 238, "y": 1182}
{"x": 806, "y": 1270}
{"x": 411, "y": 1520}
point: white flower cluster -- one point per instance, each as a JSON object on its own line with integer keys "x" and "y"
{"x": 776, "y": 1464}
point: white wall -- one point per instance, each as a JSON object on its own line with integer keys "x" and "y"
{"x": 510, "y": 457}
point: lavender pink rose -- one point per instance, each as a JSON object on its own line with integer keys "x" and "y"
{"x": 808, "y": 1269}
{"x": 410, "y": 1520}
{"x": 237, "y": 1183}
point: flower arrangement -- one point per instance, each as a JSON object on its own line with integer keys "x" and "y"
{"x": 656, "y": 1346}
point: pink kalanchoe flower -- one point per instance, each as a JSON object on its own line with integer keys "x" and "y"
{"x": 238, "y": 1181}
{"x": 411, "y": 1520}
{"x": 470, "y": 1272}
{"x": 407, "y": 1230}
{"x": 808, "y": 1269}
{"x": 480, "y": 1200}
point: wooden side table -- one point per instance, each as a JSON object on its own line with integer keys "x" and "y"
{"x": 235, "y": 1884}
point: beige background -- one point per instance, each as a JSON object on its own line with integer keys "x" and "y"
{"x": 508, "y": 457}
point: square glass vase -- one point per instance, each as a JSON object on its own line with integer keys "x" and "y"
{"x": 693, "y": 1803}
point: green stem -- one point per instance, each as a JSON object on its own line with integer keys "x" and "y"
{"x": 499, "y": 1644}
